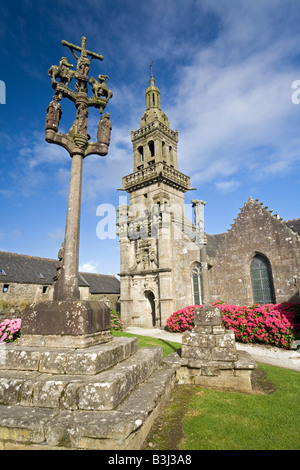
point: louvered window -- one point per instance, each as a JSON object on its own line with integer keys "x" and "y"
{"x": 262, "y": 280}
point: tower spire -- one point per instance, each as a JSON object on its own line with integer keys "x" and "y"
{"x": 152, "y": 93}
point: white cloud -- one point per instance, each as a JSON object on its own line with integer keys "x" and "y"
{"x": 234, "y": 98}
{"x": 89, "y": 267}
{"x": 226, "y": 187}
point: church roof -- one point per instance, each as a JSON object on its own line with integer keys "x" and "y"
{"x": 102, "y": 283}
{"x": 294, "y": 224}
{"x": 24, "y": 269}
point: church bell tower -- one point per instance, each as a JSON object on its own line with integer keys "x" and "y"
{"x": 152, "y": 228}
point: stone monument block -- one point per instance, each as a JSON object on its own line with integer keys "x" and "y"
{"x": 207, "y": 316}
{"x": 210, "y": 355}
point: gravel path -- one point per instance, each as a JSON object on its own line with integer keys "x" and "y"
{"x": 261, "y": 353}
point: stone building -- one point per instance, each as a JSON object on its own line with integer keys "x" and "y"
{"x": 169, "y": 262}
{"x": 258, "y": 260}
{"x": 162, "y": 253}
{"x": 26, "y": 279}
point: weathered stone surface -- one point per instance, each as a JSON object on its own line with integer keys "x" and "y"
{"x": 102, "y": 391}
{"x": 12, "y": 357}
{"x": 225, "y": 380}
{"x": 87, "y": 361}
{"x": 24, "y": 425}
{"x": 223, "y": 354}
{"x": 194, "y": 352}
{"x": 244, "y": 361}
{"x": 191, "y": 338}
{"x": 209, "y": 355}
{"x": 65, "y": 318}
{"x": 107, "y": 391}
{"x": 207, "y": 316}
{"x": 65, "y": 341}
{"x": 123, "y": 428}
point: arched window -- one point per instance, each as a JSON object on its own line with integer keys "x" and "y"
{"x": 141, "y": 153}
{"x": 197, "y": 284}
{"x": 151, "y": 147}
{"x": 262, "y": 280}
{"x": 171, "y": 156}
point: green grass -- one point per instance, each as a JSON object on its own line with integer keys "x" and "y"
{"x": 202, "y": 419}
{"x": 168, "y": 347}
{"x": 217, "y": 420}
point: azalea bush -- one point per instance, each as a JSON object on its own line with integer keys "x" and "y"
{"x": 274, "y": 324}
{"x": 115, "y": 321}
{"x": 182, "y": 320}
{"x": 10, "y": 330}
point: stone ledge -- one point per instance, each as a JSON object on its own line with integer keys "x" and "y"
{"x": 86, "y": 361}
{"x": 122, "y": 429}
{"x": 103, "y": 391}
{"x": 65, "y": 341}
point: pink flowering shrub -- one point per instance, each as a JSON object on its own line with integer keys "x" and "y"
{"x": 274, "y": 324}
{"x": 182, "y": 320}
{"x": 115, "y": 321}
{"x": 10, "y": 330}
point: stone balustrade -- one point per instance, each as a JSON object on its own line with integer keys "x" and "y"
{"x": 157, "y": 171}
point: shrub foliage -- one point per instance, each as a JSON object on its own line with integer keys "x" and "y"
{"x": 115, "y": 321}
{"x": 10, "y": 330}
{"x": 274, "y": 324}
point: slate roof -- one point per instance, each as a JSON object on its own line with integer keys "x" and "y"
{"x": 213, "y": 243}
{"x": 102, "y": 283}
{"x": 294, "y": 224}
{"x": 33, "y": 270}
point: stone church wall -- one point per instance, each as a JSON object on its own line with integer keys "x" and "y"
{"x": 186, "y": 254}
{"x": 256, "y": 231}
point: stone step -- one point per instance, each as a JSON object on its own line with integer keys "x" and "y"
{"x": 103, "y": 391}
{"x": 124, "y": 428}
{"x": 87, "y": 361}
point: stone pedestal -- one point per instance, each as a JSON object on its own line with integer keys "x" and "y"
{"x": 209, "y": 355}
{"x": 65, "y": 324}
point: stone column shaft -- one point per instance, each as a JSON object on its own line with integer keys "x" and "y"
{"x": 67, "y": 286}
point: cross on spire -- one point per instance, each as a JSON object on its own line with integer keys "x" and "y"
{"x": 151, "y": 70}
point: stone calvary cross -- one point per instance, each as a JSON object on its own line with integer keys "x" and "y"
{"x": 66, "y": 320}
{"x": 77, "y": 143}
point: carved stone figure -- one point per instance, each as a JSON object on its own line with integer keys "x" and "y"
{"x": 145, "y": 256}
{"x": 62, "y": 71}
{"x": 59, "y": 264}
{"x": 104, "y": 130}
{"x": 81, "y": 118}
{"x": 54, "y": 113}
{"x": 100, "y": 89}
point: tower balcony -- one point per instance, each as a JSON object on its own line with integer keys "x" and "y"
{"x": 159, "y": 172}
{"x": 150, "y": 127}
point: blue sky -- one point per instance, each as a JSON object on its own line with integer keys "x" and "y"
{"x": 225, "y": 70}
